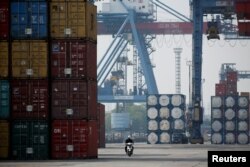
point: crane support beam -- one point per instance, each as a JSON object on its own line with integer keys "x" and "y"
{"x": 197, "y": 111}
{"x": 158, "y": 28}
{"x": 120, "y": 98}
{"x": 144, "y": 56}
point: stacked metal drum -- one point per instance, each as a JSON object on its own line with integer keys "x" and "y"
{"x": 230, "y": 113}
{"x": 48, "y": 88}
{"x": 166, "y": 115}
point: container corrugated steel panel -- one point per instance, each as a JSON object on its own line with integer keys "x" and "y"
{"x": 232, "y": 77}
{"x": 73, "y": 59}
{"x": 30, "y": 140}
{"x": 101, "y": 122}
{"x": 4, "y": 58}
{"x": 29, "y": 59}
{"x": 92, "y": 139}
{"x": 74, "y": 99}
{"x": 4, "y": 139}
{"x": 242, "y": 10}
{"x": 29, "y": 20}
{"x": 29, "y": 99}
{"x": 220, "y": 89}
{"x": 4, "y": 19}
{"x": 4, "y": 99}
{"x": 232, "y": 89}
{"x": 70, "y": 139}
{"x": 75, "y": 19}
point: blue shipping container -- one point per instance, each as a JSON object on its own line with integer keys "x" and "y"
{"x": 29, "y": 20}
{"x": 4, "y": 99}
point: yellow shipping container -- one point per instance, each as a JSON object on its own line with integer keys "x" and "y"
{"x": 75, "y": 19}
{"x": 4, "y": 54}
{"x": 4, "y": 151}
{"x": 4, "y": 139}
{"x": 29, "y": 59}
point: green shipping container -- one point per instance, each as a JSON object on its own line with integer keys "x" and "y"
{"x": 4, "y": 139}
{"x": 4, "y": 99}
{"x": 30, "y": 140}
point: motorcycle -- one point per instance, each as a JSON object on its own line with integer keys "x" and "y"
{"x": 129, "y": 147}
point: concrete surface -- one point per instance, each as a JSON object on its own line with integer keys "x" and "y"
{"x": 144, "y": 156}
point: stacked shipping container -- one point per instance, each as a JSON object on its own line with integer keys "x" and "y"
{"x": 4, "y": 80}
{"x": 29, "y": 79}
{"x": 166, "y": 116}
{"x": 242, "y": 8}
{"x": 73, "y": 73}
{"x": 101, "y": 125}
{"x": 52, "y": 74}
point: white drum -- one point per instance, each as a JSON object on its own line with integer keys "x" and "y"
{"x": 152, "y": 100}
{"x": 164, "y": 125}
{"x": 230, "y": 114}
{"x": 216, "y": 102}
{"x": 164, "y": 113}
{"x": 216, "y": 126}
{"x": 177, "y": 100}
{"x": 165, "y": 137}
{"x": 152, "y": 125}
{"x": 152, "y": 113}
{"x": 152, "y": 138}
{"x": 164, "y": 100}
{"x": 177, "y": 113}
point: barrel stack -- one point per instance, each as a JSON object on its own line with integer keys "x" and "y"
{"x": 230, "y": 113}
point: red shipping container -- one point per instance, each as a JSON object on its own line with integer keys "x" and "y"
{"x": 101, "y": 125}
{"x": 244, "y": 28}
{"x": 232, "y": 77}
{"x": 69, "y": 139}
{"x": 29, "y": 99}
{"x": 74, "y": 99}
{"x": 73, "y": 59}
{"x": 242, "y": 10}
{"x": 4, "y": 19}
{"x": 232, "y": 89}
{"x": 93, "y": 139}
{"x": 220, "y": 89}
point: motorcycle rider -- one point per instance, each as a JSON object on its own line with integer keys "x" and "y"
{"x": 129, "y": 140}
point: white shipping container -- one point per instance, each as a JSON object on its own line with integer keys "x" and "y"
{"x": 242, "y": 126}
{"x": 164, "y": 100}
{"x": 152, "y": 138}
{"x": 230, "y": 101}
{"x": 230, "y": 125}
{"x": 216, "y": 138}
{"x": 179, "y": 124}
{"x": 152, "y": 125}
{"x": 242, "y": 138}
{"x": 164, "y": 113}
{"x": 177, "y": 113}
{"x": 229, "y": 138}
{"x": 216, "y": 102}
{"x": 230, "y": 114}
{"x": 165, "y": 137}
{"x": 243, "y": 101}
{"x": 242, "y": 114}
{"x": 216, "y": 126}
{"x": 177, "y": 100}
{"x": 164, "y": 125}
{"x": 152, "y": 100}
{"x": 216, "y": 113}
{"x": 152, "y": 113}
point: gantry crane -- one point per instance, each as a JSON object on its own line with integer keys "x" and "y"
{"x": 142, "y": 25}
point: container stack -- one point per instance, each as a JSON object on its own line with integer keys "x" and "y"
{"x": 29, "y": 80}
{"x": 73, "y": 55}
{"x": 101, "y": 125}
{"x": 166, "y": 116}
{"x": 231, "y": 124}
{"x": 4, "y": 80}
{"x": 217, "y": 120}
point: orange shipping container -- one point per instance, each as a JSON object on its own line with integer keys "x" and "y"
{"x": 29, "y": 59}
{"x": 75, "y": 19}
{"x": 4, "y": 54}
{"x": 4, "y": 139}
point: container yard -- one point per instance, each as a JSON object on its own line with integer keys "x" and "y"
{"x": 80, "y": 80}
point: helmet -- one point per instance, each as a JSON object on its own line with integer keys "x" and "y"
{"x": 129, "y": 136}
